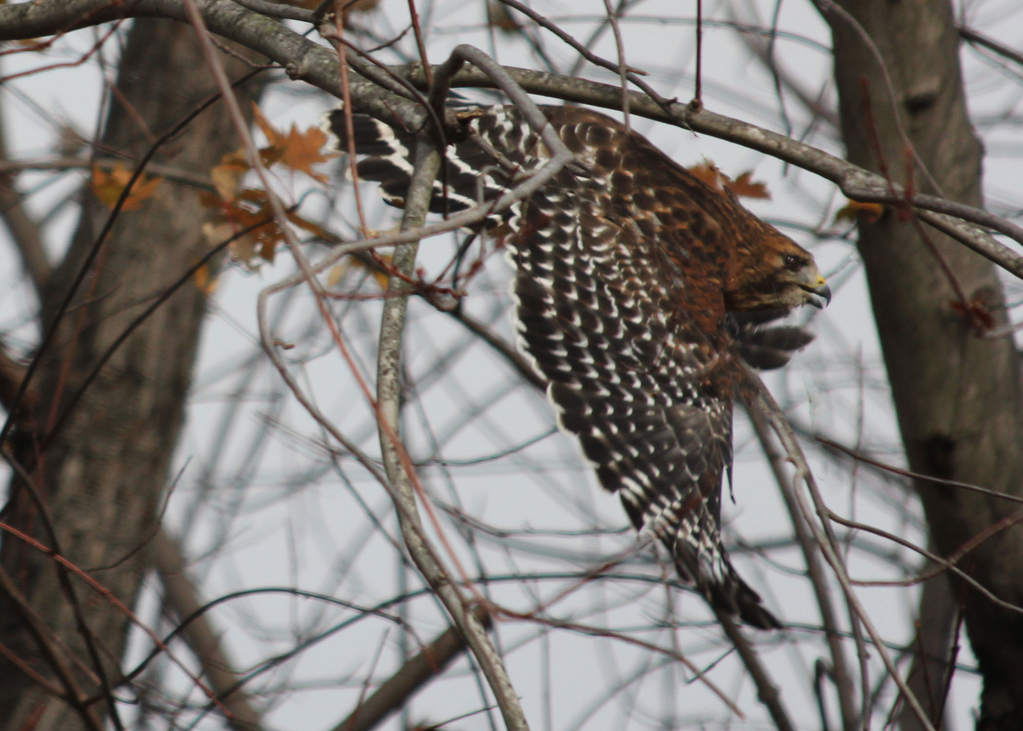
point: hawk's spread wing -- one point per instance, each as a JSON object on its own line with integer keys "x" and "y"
{"x": 627, "y": 281}
{"x": 632, "y": 372}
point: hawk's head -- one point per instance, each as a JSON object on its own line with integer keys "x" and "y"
{"x": 770, "y": 271}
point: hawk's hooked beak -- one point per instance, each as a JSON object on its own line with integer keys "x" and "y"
{"x": 821, "y": 293}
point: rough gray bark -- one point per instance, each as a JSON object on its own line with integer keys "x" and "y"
{"x": 957, "y": 394}
{"x": 102, "y": 474}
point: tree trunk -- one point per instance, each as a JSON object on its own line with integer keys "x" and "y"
{"x": 957, "y": 394}
{"x": 102, "y": 474}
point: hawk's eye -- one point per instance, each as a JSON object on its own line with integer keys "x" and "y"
{"x": 793, "y": 263}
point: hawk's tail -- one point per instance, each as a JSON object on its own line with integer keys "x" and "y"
{"x": 737, "y": 598}
{"x": 710, "y": 570}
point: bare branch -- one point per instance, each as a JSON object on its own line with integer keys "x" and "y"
{"x": 931, "y": 665}
{"x": 841, "y": 674}
{"x": 24, "y": 230}
{"x": 767, "y": 691}
{"x": 770, "y": 411}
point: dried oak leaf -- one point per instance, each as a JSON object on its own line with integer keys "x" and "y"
{"x": 743, "y": 186}
{"x": 296, "y": 150}
{"x": 108, "y": 187}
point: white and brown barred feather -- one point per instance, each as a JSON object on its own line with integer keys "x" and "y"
{"x": 628, "y": 285}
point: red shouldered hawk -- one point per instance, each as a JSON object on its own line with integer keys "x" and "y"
{"x": 632, "y": 285}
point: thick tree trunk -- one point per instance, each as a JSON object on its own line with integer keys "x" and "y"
{"x": 957, "y": 394}
{"x": 102, "y": 475}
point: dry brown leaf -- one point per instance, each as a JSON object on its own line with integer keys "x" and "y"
{"x": 228, "y": 173}
{"x": 336, "y": 273}
{"x": 745, "y": 187}
{"x": 205, "y": 281}
{"x": 500, "y": 17}
{"x": 872, "y": 212}
{"x": 296, "y": 150}
{"x": 273, "y": 136}
{"x": 707, "y": 172}
{"x": 108, "y": 187}
{"x": 263, "y": 239}
{"x": 249, "y": 209}
{"x": 304, "y": 149}
{"x": 382, "y": 277}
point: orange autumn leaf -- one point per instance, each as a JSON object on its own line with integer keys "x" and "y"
{"x": 108, "y": 187}
{"x": 242, "y": 209}
{"x": 204, "y": 280}
{"x": 263, "y": 239}
{"x": 337, "y": 273}
{"x": 250, "y": 209}
{"x": 380, "y": 275}
{"x": 707, "y": 172}
{"x": 304, "y": 149}
{"x": 376, "y": 270}
{"x": 872, "y": 212}
{"x": 745, "y": 187}
{"x": 274, "y": 137}
{"x": 296, "y": 150}
{"x": 228, "y": 173}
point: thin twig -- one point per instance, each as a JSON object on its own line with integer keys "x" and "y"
{"x": 623, "y": 74}
{"x": 410, "y": 677}
{"x": 840, "y": 674}
{"x": 766, "y": 403}
{"x": 182, "y": 597}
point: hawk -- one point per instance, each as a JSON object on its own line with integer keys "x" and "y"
{"x": 638, "y": 289}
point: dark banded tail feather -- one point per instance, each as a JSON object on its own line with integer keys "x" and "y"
{"x": 471, "y": 176}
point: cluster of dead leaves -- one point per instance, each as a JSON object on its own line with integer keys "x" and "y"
{"x": 248, "y": 209}
{"x": 745, "y": 187}
{"x": 742, "y": 187}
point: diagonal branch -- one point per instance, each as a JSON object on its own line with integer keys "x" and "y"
{"x": 427, "y": 164}
{"x": 183, "y": 599}
{"x": 769, "y": 410}
{"x": 410, "y": 677}
{"x": 24, "y": 230}
{"x": 811, "y": 554}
